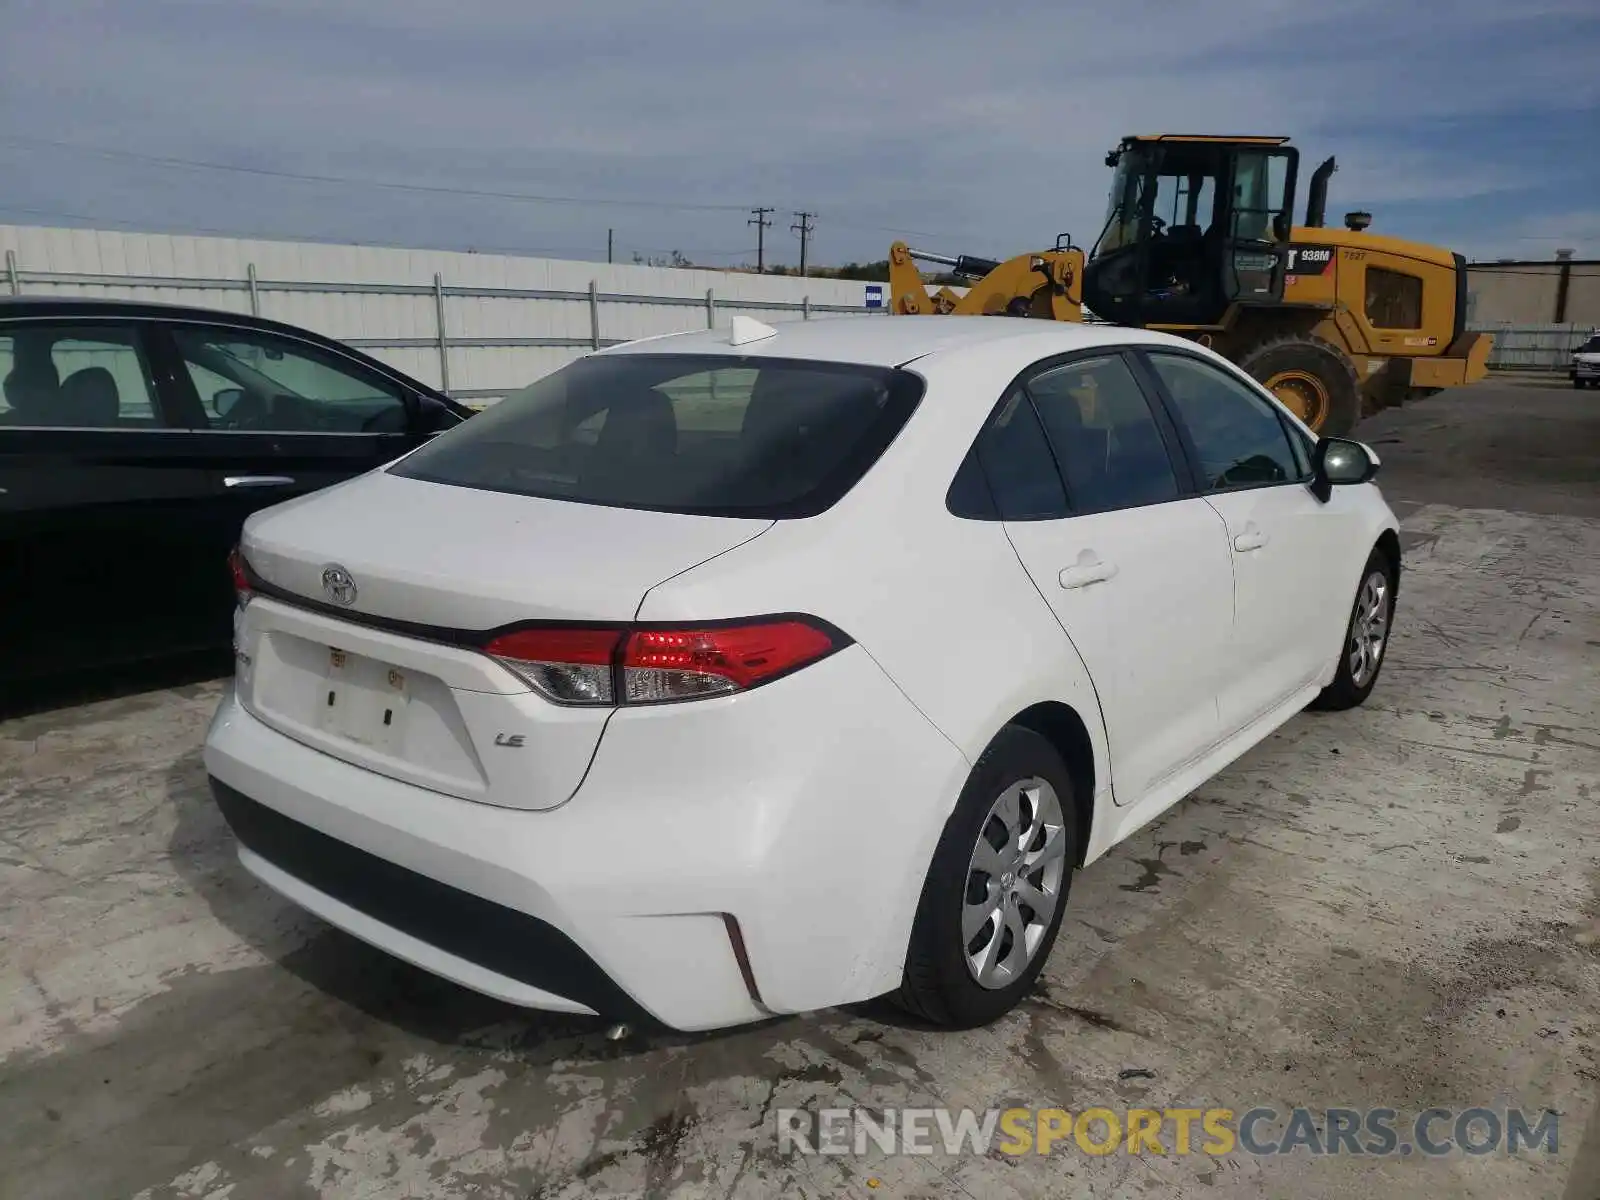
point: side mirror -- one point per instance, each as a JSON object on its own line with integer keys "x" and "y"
{"x": 1340, "y": 461}
{"x": 223, "y": 401}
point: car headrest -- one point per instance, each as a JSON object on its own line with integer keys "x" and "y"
{"x": 88, "y": 397}
{"x": 31, "y": 388}
{"x": 639, "y": 425}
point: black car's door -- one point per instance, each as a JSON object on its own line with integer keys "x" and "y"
{"x": 95, "y": 495}
{"x": 271, "y": 417}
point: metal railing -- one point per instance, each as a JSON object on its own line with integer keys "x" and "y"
{"x": 442, "y": 339}
{"x": 1534, "y": 347}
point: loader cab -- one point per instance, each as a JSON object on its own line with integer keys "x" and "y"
{"x": 1193, "y": 226}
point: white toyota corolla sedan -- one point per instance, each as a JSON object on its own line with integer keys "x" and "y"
{"x": 761, "y": 670}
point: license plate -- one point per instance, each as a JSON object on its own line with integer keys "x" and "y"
{"x": 364, "y": 700}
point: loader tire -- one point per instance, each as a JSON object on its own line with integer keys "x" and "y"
{"x": 1314, "y": 379}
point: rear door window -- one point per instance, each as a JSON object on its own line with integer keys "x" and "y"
{"x": 1104, "y": 435}
{"x": 1017, "y": 462}
{"x": 89, "y": 376}
{"x": 681, "y": 433}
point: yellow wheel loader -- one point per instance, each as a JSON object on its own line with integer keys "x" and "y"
{"x": 1199, "y": 240}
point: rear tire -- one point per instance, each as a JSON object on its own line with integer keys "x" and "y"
{"x": 983, "y": 863}
{"x": 1366, "y": 637}
{"x": 1313, "y": 377}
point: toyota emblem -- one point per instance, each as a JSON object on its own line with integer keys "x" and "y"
{"x": 338, "y": 585}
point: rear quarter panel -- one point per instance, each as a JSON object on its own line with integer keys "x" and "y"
{"x": 945, "y": 609}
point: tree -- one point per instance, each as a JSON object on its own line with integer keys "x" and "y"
{"x": 678, "y": 259}
{"x": 872, "y": 272}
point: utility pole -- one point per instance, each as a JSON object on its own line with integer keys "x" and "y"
{"x": 804, "y": 228}
{"x": 610, "y": 233}
{"x": 759, "y": 220}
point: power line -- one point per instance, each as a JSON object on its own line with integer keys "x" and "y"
{"x": 391, "y": 185}
{"x": 759, "y": 220}
{"x": 804, "y": 227}
{"x": 916, "y": 233}
{"x": 426, "y": 189}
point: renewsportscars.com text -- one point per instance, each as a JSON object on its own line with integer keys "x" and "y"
{"x": 1260, "y": 1131}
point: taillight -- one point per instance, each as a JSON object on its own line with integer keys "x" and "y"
{"x": 572, "y": 666}
{"x": 682, "y": 664}
{"x": 241, "y": 578}
{"x": 652, "y": 666}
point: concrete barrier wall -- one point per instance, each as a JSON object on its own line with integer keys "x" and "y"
{"x": 478, "y": 325}
{"x": 1534, "y": 347}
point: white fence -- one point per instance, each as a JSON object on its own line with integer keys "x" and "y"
{"x": 1534, "y": 347}
{"x": 476, "y": 325}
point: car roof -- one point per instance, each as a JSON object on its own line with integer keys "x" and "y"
{"x": 877, "y": 340}
{"x": 14, "y": 306}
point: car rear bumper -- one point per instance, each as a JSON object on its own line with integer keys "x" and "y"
{"x": 722, "y": 861}
{"x": 489, "y": 947}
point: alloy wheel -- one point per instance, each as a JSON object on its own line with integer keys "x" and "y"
{"x": 1014, "y": 882}
{"x": 1369, "y": 628}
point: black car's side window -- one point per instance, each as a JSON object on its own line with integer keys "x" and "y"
{"x": 1018, "y": 465}
{"x": 1104, "y": 435}
{"x": 1238, "y": 436}
{"x": 250, "y": 381}
{"x": 88, "y": 376}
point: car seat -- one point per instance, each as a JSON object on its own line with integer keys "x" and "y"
{"x": 88, "y": 398}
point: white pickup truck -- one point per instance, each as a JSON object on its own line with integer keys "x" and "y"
{"x": 1585, "y": 369}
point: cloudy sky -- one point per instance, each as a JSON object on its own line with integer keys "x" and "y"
{"x": 524, "y": 125}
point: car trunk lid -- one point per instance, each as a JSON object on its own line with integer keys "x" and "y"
{"x": 382, "y": 667}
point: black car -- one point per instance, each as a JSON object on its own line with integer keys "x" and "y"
{"x": 134, "y": 440}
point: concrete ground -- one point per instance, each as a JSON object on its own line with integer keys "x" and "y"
{"x": 1396, "y": 907}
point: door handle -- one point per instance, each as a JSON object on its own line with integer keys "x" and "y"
{"x": 1251, "y": 539}
{"x": 246, "y": 481}
{"x": 1088, "y": 569}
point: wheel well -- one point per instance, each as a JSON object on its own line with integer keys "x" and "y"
{"x": 1063, "y": 728}
{"x": 1389, "y": 543}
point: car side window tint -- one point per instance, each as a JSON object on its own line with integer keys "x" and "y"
{"x": 1240, "y": 440}
{"x": 1302, "y": 447}
{"x": 88, "y": 376}
{"x": 1104, "y": 435}
{"x": 969, "y": 494}
{"x": 1018, "y": 464}
{"x": 249, "y": 381}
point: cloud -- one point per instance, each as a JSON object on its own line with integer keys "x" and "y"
{"x": 983, "y": 127}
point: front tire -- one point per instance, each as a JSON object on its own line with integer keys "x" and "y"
{"x": 996, "y": 890}
{"x": 1312, "y": 377}
{"x": 1366, "y": 638}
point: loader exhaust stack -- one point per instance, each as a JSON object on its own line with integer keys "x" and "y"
{"x": 1317, "y": 194}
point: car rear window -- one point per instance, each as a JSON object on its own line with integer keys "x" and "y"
{"x": 718, "y": 435}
